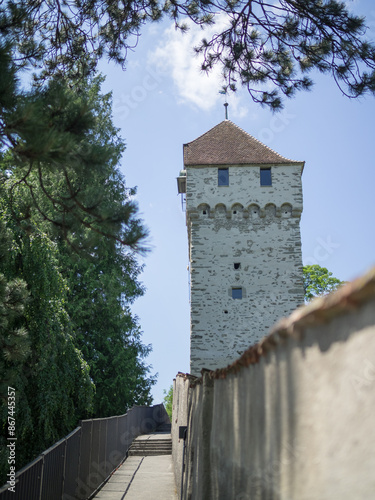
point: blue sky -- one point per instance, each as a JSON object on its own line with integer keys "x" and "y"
{"x": 161, "y": 101}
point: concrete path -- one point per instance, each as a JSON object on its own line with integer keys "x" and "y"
{"x": 141, "y": 478}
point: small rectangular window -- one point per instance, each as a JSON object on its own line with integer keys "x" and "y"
{"x": 265, "y": 177}
{"x": 237, "y": 265}
{"x": 236, "y": 293}
{"x": 223, "y": 176}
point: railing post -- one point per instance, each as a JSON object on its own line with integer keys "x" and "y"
{"x": 117, "y": 436}
{"x": 41, "y": 479}
{"x": 64, "y": 469}
{"x": 79, "y": 451}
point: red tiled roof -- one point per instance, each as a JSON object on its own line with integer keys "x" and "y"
{"x": 227, "y": 144}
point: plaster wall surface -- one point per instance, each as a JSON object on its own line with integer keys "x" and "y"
{"x": 292, "y": 419}
{"x": 179, "y": 418}
{"x": 241, "y": 236}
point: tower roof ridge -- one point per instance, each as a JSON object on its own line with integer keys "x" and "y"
{"x": 228, "y": 144}
{"x": 264, "y": 145}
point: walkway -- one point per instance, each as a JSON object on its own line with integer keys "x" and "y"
{"x": 142, "y": 477}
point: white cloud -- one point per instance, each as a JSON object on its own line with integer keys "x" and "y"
{"x": 174, "y": 56}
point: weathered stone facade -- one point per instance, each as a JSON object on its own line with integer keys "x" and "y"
{"x": 242, "y": 236}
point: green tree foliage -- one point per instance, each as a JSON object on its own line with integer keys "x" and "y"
{"x": 100, "y": 293}
{"x": 269, "y": 48}
{"x": 318, "y": 280}
{"x": 69, "y": 229}
{"x": 103, "y": 279}
{"x": 54, "y": 147}
{"x": 168, "y": 401}
{"x": 51, "y": 379}
{"x": 68, "y": 243}
{"x": 14, "y": 342}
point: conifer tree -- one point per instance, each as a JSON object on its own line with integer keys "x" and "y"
{"x": 100, "y": 294}
{"x": 68, "y": 244}
{"x": 50, "y": 143}
{"x": 14, "y": 342}
{"x": 269, "y": 48}
{"x": 48, "y": 373}
{"x": 103, "y": 283}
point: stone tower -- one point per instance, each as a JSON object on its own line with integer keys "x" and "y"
{"x": 243, "y": 209}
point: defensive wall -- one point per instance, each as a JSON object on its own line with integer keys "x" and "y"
{"x": 293, "y": 417}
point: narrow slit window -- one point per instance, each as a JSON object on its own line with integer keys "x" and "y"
{"x": 265, "y": 177}
{"x": 237, "y": 293}
{"x": 223, "y": 176}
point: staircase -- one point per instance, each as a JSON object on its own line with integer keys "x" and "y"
{"x": 165, "y": 428}
{"x": 158, "y": 443}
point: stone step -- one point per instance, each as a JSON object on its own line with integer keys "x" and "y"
{"x": 145, "y": 453}
{"x": 148, "y": 453}
{"x": 151, "y": 447}
{"x": 151, "y": 444}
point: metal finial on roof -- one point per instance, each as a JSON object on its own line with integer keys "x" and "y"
{"x": 226, "y": 110}
{"x": 224, "y": 92}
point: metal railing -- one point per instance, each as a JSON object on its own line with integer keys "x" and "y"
{"x": 75, "y": 467}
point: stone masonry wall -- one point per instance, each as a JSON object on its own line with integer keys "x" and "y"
{"x": 292, "y": 419}
{"x": 241, "y": 235}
